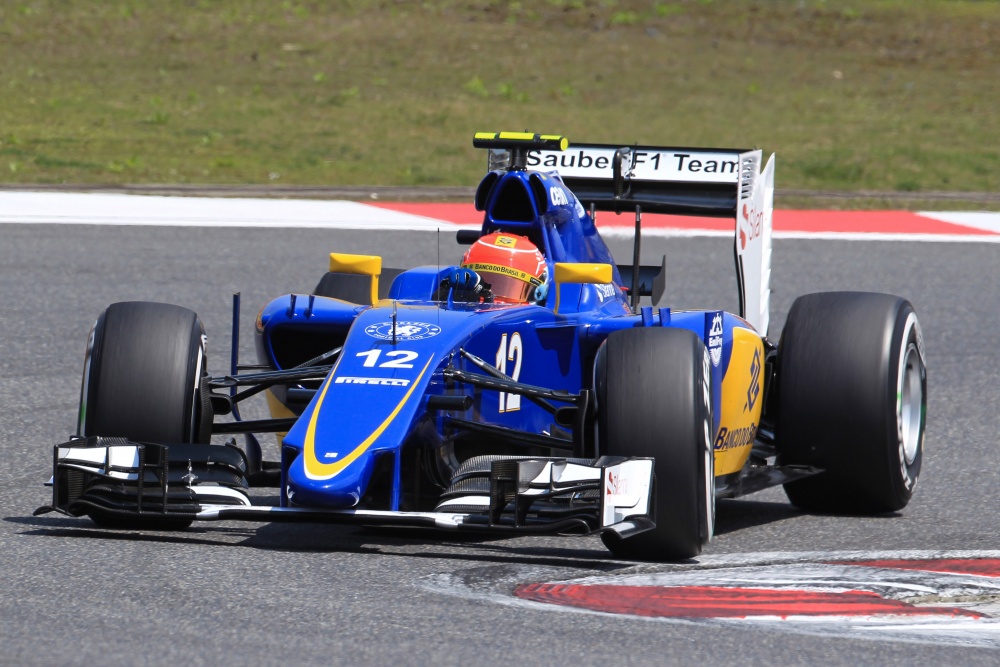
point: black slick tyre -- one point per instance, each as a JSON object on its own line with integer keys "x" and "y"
{"x": 653, "y": 390}
{"x": 852, "y": 400}
{"x": 142, "y": 376}
{"x": 143, "y": 381}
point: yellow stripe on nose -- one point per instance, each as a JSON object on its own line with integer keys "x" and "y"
{"x": 315, "y": 469}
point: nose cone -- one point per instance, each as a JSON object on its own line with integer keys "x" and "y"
{"x": 370, "y": 403}
{"x": 342, "y": 492}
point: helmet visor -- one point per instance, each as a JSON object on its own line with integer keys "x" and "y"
{"x": 507, "y": 288}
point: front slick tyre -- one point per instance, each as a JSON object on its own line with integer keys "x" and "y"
{"x": 852, "y": 400}
{"x": 654, "y": 400}
{"x": 143, "y": 375}
{"x": 143, "y": 381}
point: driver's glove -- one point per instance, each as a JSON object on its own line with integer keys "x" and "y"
{"x": 465, "y": 280}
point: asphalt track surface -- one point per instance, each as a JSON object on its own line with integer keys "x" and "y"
{"x": 246, "y": 593}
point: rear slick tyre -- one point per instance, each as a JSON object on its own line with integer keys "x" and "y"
{"x": 852, "y": 400}
{"x": 654, "y": 400}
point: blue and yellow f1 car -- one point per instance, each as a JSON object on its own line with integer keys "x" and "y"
{"x": 401, "y": 400}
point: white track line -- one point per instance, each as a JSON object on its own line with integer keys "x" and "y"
{"x": 989, "y": 222}
{"x": 629, "y": 232}
{"x": 72, "y": 208}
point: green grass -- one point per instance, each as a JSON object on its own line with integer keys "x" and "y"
{"x": 888, "y": 95}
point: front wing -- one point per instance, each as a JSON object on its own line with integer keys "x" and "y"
{"x": 116, "y": 479}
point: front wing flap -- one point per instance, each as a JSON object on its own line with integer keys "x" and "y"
{"x": 116, "y": 478}
{"x": 108, "y": 477}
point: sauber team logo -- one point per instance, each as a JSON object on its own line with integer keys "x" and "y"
{"x": 404, "y": 330}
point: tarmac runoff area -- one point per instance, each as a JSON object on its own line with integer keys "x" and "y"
{"x": 947, "y": 600}
{"x": 75, "y": 208}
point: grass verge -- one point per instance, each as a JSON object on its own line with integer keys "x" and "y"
{"x": 876, "y": 95}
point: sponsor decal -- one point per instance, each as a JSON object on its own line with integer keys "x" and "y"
{"x": 715, "y": 339}
{"x": 404, "y": 330}
{"x": 617, "y": 485}
{"x": 581, "y": 159}
{"x": 505, "y": 241}
{"x": 754, "y": 391}
{"x": 739, "y": 437}
{"x": 606, "y": 291}
{"x": 741, "y": 401}
{"x": 558, "y": 197}
{"x": 685, "y": 163}
{"x": 387, "y": 382}
{"x": 479, "y": 267}
{"x": 751, "y": 224}
{"x": 647, "y": 164}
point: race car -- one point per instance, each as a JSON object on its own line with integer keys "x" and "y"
{"x": 536, "y": 387}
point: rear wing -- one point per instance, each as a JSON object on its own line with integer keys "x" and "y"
{"x": 683, "y": 181}
{"x": 717, "y": 182}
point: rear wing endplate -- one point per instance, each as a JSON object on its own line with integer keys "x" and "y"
{"x": 753, "y": 240}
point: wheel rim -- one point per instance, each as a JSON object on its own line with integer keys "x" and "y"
{"x": 911, "y": 402}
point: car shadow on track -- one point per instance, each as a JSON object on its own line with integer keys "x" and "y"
{"x": 320, "y": 538}
{"x": 734, "y": 515}
{"x": 83, "y": 528}
{"x": 579, "y": 552}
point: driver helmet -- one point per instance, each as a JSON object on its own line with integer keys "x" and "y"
{"x": 512, "y": 265}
